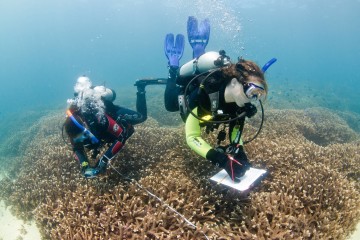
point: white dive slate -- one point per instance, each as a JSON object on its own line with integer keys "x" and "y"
{"x": 246, "y": 181}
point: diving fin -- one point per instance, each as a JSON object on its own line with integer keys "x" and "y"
{"x": 174, "y": 52}
{"x": 198, "y": 35}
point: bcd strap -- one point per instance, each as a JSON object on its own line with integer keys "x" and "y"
{"x": 214, "y": 101}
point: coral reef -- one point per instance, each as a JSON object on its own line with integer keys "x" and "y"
{"x": 292, "y": 93}
{"x": 19, "y": 129}
{"x": 312, "y": 190}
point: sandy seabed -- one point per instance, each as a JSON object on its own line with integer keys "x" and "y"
{"x": 356, "y": 234}
{"x": 14, "y": 228}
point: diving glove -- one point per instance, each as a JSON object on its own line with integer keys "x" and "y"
{"x": 235, "y": 166}
{"x": 88, "y": 172}
{"x": 241, "y": 157}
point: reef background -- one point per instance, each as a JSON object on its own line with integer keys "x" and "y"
{"x": 311, "y": 192}
{"x": 309, "y": 144}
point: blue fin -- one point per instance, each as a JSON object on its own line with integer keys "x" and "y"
{"x": 174, "y": 52}
{"x": 198, "y": 35}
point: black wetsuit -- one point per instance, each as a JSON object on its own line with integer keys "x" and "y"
{"x": 115, "y": 126}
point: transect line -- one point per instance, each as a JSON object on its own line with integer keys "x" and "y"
{"x": 159, "y": 199}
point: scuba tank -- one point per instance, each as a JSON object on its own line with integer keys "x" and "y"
{"x": 189, "y": 73}
{"x": 106, "y": 94}
{"x": 204, "y": 63}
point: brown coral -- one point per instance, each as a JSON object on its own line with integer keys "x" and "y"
{"x": 312, "y": 191}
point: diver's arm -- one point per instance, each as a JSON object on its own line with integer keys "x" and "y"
{"x": 130, "y": 116}
{"x": 232, "y": 166}
{"x": 80, "y": 156}
{"x": 141, "y": 106}
{"x": 79, "y": 152}
{"x": 120, "y": 114}
{"x": 171, "y": 91}
{"x": 197, "y": 143}
{"x": 193, "y": 135}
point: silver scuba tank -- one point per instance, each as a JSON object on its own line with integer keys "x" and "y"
{"x": 204, "y": 63}
{"x": 106, "y": 94}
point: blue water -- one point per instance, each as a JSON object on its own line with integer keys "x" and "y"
{"x": 45, "y": 45}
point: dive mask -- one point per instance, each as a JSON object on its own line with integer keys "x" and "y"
{"x": 254, "y": 92}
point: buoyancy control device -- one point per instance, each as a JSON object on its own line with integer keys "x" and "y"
{"x": 194, "y": 73}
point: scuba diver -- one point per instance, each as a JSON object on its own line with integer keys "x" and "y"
{"x": 93, "y": 120}
{"x": 210, "y": 91}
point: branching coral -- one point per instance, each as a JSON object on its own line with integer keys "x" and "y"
{"x": 311, "y": 192}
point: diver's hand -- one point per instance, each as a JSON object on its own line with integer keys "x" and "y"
{"x": 89, "y": 172}
{"x": 221, "y": 149}
{"x": 235, "y": 166}
{"x": 250, "y": 109}
{"x": 217, "y": 157}
{"x": 241, "y": 157}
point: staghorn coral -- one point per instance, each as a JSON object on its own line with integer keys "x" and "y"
{"x": 311, "y": 192}
{"x": 18, "y": 130}
{"x": 352, "y": 119}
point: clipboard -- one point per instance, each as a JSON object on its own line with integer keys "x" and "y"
{"x": 250, "y": 178}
